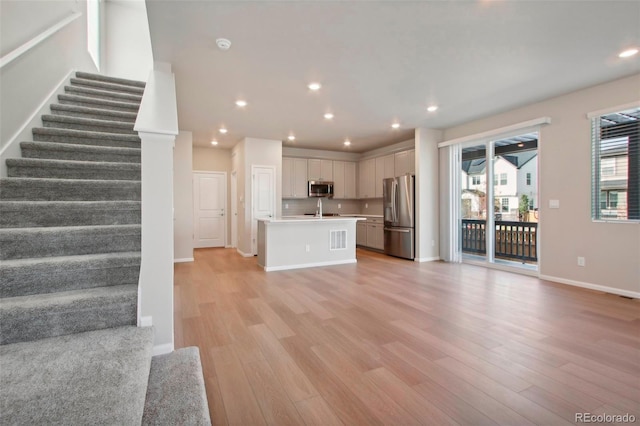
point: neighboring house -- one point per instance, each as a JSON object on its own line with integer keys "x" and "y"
{"x": 614, "y": 166}
{"x": 514, "y": 175}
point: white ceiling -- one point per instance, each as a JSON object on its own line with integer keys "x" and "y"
{"x": 379, "y": 61}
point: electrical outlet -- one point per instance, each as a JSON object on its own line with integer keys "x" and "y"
{"x": 366, "y": 205}
{"x": 307, "y": 248}
{"x": 581, "y": 261}
{"x": 286, "y": 206}
{"x": 339, "y": 206}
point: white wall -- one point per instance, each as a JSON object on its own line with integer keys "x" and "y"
{"x": 127, "y": 44}
{"x": 611, "y": 250}
{"x": 183, "y": 198}
{"x": 427, "y": 196}
{"x": 29, "y": 81}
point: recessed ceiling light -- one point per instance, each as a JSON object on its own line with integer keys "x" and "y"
{"x": 432, "y": 108}
{"x": 395, "y": 125}
{"x": 214, "y": 142}
{"x": 328, "y": 116}
{"x": 291, "y": 138}
{"x": 628, "y": 53}
{"x": 223, "y": 130}
{"x": 314, "y": 86}
{"x": 347, "y": 142}
{"x": 520, "y": 145}
{"x": 241, "y": 103}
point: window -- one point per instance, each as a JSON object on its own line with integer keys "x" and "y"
{"x": 615, "y": 165}
{"x": 475, "y": 180}
{"x": 503, "y": 178}
{"x": 528, "y": 179}
{"x": 505, "y": 204}
{"x": 495, "y": 180}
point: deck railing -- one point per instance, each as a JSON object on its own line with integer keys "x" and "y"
{"x": 513, "y": 240}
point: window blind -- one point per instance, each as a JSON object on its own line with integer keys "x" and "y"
{"x": 615, "y": 190}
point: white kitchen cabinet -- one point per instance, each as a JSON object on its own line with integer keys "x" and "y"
{"x": 344, "y": 179}
{"x": 405, "y": 162}
{"x": 367, "y": 178}
{"x": 349, "y": 179}
{"x": 375, "y": 234}
{"x": 385, "y": 168}
{"x": 320, "y": 170}
{"x": 361, "y": 233}
{"x": 294, "y": 178}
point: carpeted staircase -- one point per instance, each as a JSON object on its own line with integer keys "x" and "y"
{"x": 70, "y": 350}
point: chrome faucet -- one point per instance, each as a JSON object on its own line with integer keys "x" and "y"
{"x": 319, "y": 209}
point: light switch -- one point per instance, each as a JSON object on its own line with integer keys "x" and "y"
{"x": 554, "y": 204}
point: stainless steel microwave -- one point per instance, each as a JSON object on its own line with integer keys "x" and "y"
{"x": 320, "y": 189}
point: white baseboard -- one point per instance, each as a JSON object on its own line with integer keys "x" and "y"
{"x": 12, "y": 148}
{"x": 146, "y": 321}
{"x": 162, "y": 349}
{"x": 426, "y": 259}
{"x": 186, "y": 259}
{"x": 243, "y": 254}
{"x": 612, "y": 290}
{"x": 308, "y": 265}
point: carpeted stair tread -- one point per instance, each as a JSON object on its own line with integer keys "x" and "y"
{"x": 102, "y": 94}
{"x": 78, "y": 100}
{"x": 88, "y": 124}
{"x": 76, "y": 152}
{"x": 88, "y": 112}
{"x": 39, "y": 316}
{"x": 92, "y": 378}
{"x": 67, "y": 169}
{"x": 37, "y": 189}
{"x": 100, "y": 77}
{"x": 176, "y": 392}
{"x": 84, "y": 137}
{"x": 26, "y": 214}
{"x": 21, "y": 277}
{"x": 22, "y": 243}
{"x": 105, "y": 85}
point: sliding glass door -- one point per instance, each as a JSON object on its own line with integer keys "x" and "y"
{"x": 499, "y": 201}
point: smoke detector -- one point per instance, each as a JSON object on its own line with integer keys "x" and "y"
{"x": 223, "y": 44}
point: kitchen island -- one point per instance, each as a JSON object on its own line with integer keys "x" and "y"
{"x": 306, "y": 241}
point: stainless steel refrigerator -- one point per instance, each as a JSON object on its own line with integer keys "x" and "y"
{"x": 399, "y": 216}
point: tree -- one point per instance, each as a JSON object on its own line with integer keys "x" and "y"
{"x": 523, "y": 208}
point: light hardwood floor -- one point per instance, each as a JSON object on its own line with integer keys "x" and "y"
{"x": 388, "y": 341}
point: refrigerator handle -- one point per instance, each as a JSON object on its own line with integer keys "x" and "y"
{"x": 393, "y": 202}
{"x": 396, "y": 202}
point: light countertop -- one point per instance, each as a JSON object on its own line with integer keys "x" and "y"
{"x": 302, "y": 218}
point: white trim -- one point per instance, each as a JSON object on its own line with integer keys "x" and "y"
{"x": 146, "y": 321}
{"x": 162, "y": 349}
{"x": 243, "y": 254}
{"x": 426, "y": 259}
{"x": 308, "y": 265}
{"x": 186, "y": 259}
{"x": 610, "y": 110}
{"x": 612, "y": 290}
{"x": 499, "y": 132}
{"x": 24, "y": 48}
{"x": 228, "y": 246}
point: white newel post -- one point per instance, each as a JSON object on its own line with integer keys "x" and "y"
{"x": 157, "y": 126}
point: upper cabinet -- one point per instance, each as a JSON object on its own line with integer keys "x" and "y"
{"x": 344, "y": 179}
{"x": 367, "y": 178}
{"x": 385, "y": 168}
{"x": 320, "y": 170}
{"x": 294, "y": 178}
{"x": 405, "y": 162}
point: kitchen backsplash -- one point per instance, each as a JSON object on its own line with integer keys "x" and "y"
{"x": 293, "y": 207}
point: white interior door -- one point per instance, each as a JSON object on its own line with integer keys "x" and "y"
{"x": 209, "y": 198}
{"x": 263, "y": 188}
